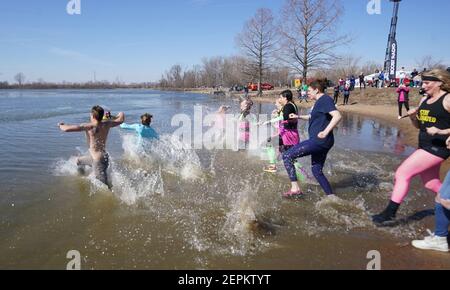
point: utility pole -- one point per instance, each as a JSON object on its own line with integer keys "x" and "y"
{"x": 390, "y": 62}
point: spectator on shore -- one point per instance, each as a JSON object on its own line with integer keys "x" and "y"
{"x": 352, "y": 82}
{"x": 376, "y": 78}
{"x": 402, "y": 76}
{"x": 346, "y": 95}
{"x": 362, "y": 81}
{"x": 341, "y": 85}
{"x": 403, "y": 99}
{"x": 417, "y": 81}
{"x": 414, "y": 73}
{"x": 336, "y": 94}
{"x": 381, "y": 79}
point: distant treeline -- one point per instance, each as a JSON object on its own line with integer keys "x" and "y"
{"x": 88, "y": 85}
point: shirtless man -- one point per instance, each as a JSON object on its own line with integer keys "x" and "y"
{"x": 96, "y": 134}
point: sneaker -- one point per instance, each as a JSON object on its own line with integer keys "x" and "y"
{"x": 400, "y": 117}
{"x": 432, "y": 242}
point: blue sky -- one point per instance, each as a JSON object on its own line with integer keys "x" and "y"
{"x": 138, "y": 40}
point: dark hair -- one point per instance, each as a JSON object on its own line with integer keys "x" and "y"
{"x": 288, "y": 95}
{"x": 98, "y": 113}
{"x": 320, "y": 84}
{"x": 146, "y": 119}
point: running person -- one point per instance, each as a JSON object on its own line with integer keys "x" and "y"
{"x": 289, "y": 136}
{"x": 288, "y": 128}
{"x": 143, "y": 130}
{"x": 434, "y": 111}
{"x": 244, "y": 124}
{"x": 438, "y": 240}
{"x": 322, "y": 120}
{"x": 97, "y": 134}
{"x": 277, "y": 117}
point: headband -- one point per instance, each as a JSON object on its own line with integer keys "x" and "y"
{"x": 430, "y": 79}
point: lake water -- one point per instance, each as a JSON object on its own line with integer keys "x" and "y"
{"x": 174, "y": 208}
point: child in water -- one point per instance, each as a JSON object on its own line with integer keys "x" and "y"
{"x": 245, "y": 119}
{"x": 143, "y": 130}
{"x": 220, "y": 122}
{"x": 279, "y": 122}
{"x": 270, "y": 150}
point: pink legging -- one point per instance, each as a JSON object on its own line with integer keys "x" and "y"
{"x": 420, "y": 162}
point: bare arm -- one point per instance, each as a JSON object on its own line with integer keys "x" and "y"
{"x": 413, "y": 114}
{"x": 303, "y": 117}
{"x": 413, "y": 117}
{"x": 73, "y": 128}
{"x": 435, "y": 131}
{"x": 447, "y": 103}
{"x": 336, "y": 119}
{"x": 118, "y": 120}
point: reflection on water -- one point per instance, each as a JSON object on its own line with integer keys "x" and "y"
{"x": 173, "y": 208}
{"x": 369, "y": 135}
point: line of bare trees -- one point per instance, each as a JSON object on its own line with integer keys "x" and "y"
{"x": 41, "y": 84}
{"x": 301, "y": 41}
{"x": 220, "y": 71}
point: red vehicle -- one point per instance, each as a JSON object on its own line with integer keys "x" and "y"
{"x": 253, "y": 87}
{"x": 264, "y": 87}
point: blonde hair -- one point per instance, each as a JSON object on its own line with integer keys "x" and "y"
{"x": 442, "y": 75}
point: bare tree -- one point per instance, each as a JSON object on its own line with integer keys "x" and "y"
{"x": 212, "y": 75}
{"x": 279, "y": 76}
{"x": 428, "y": 62}
{"x": 191, "y": 77}
{"x": 176, "y": 73}
{"x": 370, "y": 67}
{"x": 344, "y": 66}
{"x": 309, "y": 34}
{"x": 19, "y": 78}
{"x": 258, "y": 43}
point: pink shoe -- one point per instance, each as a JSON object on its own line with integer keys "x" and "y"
{"x": 292, "y": 194}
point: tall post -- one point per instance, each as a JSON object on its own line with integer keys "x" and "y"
{"x": 390, "y": 62}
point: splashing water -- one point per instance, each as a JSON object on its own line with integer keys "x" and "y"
{"x": 169, "y": 153}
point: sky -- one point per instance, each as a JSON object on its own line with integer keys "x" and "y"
{"x": 137, "y": 40}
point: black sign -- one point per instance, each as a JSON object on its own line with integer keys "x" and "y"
{"x": 393, "y": 61}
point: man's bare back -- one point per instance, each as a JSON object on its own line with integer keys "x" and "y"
{"x": 96, "y": 134}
